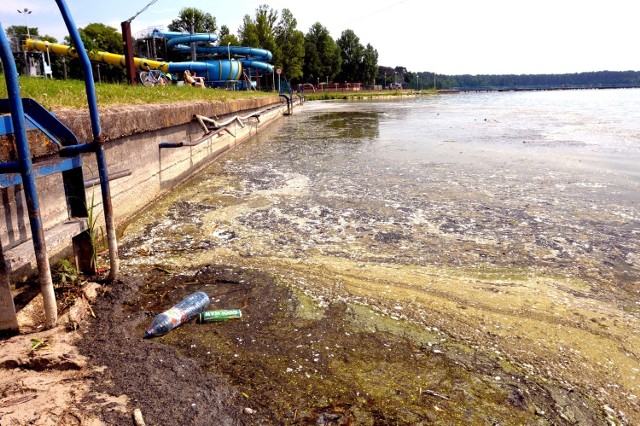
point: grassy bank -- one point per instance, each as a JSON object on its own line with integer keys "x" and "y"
{"x": 71, "y": 93}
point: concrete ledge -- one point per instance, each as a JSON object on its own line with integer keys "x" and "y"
{"x": 132, "y": 136}
{"x": 117, "y": 122}
{"x": 120, "y": 121}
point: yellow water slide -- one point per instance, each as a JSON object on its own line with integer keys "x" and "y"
{"x": 105, "y": 57}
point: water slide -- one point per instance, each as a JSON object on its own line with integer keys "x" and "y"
{"x": 227, "y": 67}
{"x": 251, "y": 57}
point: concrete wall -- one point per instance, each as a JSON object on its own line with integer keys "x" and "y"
{"x": 131, "y": 136}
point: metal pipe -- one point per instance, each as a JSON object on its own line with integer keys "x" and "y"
{"x": 86, "y": 67}
{"x": 97, "y": 140}
{"x": 201, "y": 121}
{"x": 288, "y": 103}
{"x": 252, "y": 115}
{"x": 107, "y": 208}
{"x": 73, "y": 150}
{"x": 10, "y": 167}
{"x": 29, "y": 183}
{"x": 127, "y": 41}
{"x": 112, "y": 176}
{"x": 202, "y": 118}
{"x": 208, "y": 136}
{"x": 162, "y": 145}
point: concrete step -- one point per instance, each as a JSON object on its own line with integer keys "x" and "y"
{"x": 56, "y": 238}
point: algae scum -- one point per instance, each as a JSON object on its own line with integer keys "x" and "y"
{"x": 302, "y": 362}
{"x": 474, "y": 285}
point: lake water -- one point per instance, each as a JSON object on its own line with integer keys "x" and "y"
{"x": 551, "y": 179}
{"x": 497, "y": 223}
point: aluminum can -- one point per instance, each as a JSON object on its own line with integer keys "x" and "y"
{"x": 219, "y": 315}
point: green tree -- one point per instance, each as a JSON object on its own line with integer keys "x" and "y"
{"x": 401, "y": 74}
{"x": 248, "y": 32}
{"x": 266, "y": 19}
{"x": 102, "y": 37}
{"x": 99, "y": 37}
{"x": 385, "y": 76}
{"x": 226, "y": 37}
{"x": 291, "y": 46}
{"x": 203, "y": 22}
{"x": 16, "y": 34}
{"x": 352, "y": 53}
{"x": 369, "y": 65}
{"x": 322, "y": 55}
{"x": 260, "y": 32}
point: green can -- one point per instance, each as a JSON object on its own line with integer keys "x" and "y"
{"x": 219, "y": 315}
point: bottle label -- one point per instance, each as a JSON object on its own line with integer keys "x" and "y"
{"x": 219, "y": 315}
{"x": 176, "y": 316}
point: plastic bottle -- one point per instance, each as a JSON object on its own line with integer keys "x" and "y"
{"x": 182, "y": 312}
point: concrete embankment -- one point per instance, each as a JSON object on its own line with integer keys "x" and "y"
{"x": 144, "y": 169}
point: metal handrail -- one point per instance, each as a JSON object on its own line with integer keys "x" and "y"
{"x": 28, "y": 180}
{"x": 24, "y": 164}
{"x": 97, "y": 144}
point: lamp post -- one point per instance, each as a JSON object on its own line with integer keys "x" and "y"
{"x": 229, "y": 50}
{"x": 26, "y": 13}
{"x": 385, "y": 80}
{"x": 192, "y": 30}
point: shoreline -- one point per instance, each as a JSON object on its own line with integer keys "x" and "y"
{"x": 522, "y": 322}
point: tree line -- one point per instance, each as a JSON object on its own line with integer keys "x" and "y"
{"x": 427, "y": 80}
{"x": 584, "y": 79}
{"x": 311, "y": 57}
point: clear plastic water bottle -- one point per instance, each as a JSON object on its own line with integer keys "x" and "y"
{"x": 183, "y": 311}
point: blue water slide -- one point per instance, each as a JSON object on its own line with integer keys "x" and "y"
{"x": 259, "y": 65}
{"x": 251, "y": 53}
{"x": 211, "y": 70}
{"x": 182, "y": 39}
{"x": 217, "y": 69}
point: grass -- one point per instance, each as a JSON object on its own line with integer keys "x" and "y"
{"x": 54, "y": 94}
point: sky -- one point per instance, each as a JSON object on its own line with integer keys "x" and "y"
{"x": 444, "y": 36}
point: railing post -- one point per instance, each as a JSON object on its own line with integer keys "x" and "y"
{"x": 29, "y": 183}
{"x": 97, "y": 139}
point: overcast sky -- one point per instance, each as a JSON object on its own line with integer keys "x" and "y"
{"x": 444, "y": 36}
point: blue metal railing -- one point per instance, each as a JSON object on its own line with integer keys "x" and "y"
{"x": 97, "y": 139}
{"x": 24, "y": 166}
{"x": 26, "y": 112}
